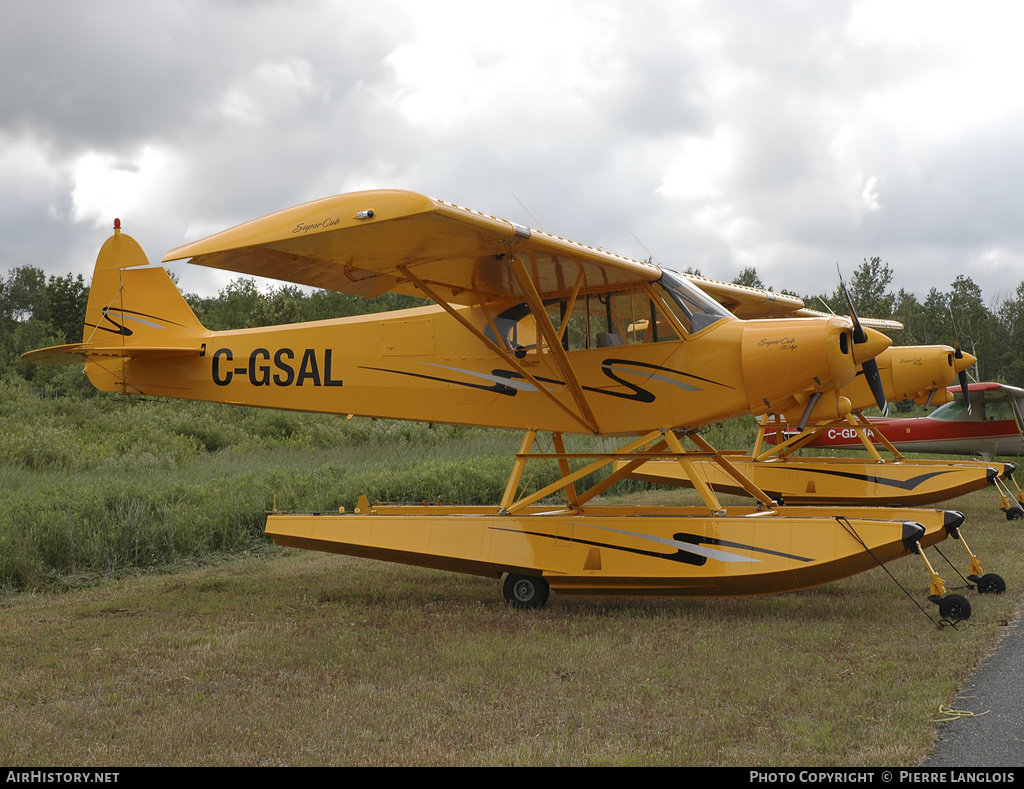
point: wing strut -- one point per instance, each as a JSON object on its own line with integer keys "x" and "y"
{"x": 1015, "y": 407}
{"x": 553, "y": 341}
{"x": 732, "y": 471}
{"x": 589, "y": 423}
{"x": 603, "y": 459}
{"x": 570, "y": 305}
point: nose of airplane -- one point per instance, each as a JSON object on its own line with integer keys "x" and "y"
{"x": 875, "y": 343}
{"x": 964, "y": 362}
{"x": 783, "y": 357}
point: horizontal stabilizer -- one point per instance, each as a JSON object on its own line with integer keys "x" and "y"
{"x": 78, "y": 352}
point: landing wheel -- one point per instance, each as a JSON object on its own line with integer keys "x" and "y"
{"x": 1014, "y": 514}
{"x": 990, "y": 583}
{"x": 526, "y": 591}
{"x": 954, "y": 607}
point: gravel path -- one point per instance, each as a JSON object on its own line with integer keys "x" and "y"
{"x": 995, "y": 738}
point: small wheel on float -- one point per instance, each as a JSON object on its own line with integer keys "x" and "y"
{"x": 526, "y": 591}
{"x": 955, "y": 608}
{"x": 990, "y": 583}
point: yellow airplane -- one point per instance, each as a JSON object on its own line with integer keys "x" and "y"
{"x": 917, "y": 372}
{"x": 528, "y": 331}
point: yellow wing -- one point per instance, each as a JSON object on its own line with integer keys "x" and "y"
{"x": 878, "y": 324}
{"x": 745, "y": 302}
{"x": 367, "y": 243}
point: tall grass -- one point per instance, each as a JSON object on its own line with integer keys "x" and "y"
{"x": 102, "y": 486}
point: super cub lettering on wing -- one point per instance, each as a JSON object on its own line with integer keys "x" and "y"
{"x": 278, "y": 368}
{"x": 307, "y": 227}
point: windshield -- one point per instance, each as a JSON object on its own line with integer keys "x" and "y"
{"x": 699, "y": 309}
{"x": 950, "y": 411}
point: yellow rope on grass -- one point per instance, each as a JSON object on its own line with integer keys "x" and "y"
{"x": 953, "y": 715}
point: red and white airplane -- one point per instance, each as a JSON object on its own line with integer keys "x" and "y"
{"x": 992, "y": 426}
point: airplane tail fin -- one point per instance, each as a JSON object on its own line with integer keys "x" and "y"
{"x": 133, "y": 312}
{"x": 135, "y": 307}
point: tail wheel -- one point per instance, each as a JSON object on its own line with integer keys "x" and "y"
{"x": 990, "y": 583}
{"x": 526, "y": 591}
{"x": 954, "y": 607}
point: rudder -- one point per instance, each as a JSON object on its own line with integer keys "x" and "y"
{"x": 134, "y": 306}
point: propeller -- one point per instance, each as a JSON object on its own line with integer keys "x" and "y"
{"x": 959, "y": 354}
{"x": 870, "y": 367}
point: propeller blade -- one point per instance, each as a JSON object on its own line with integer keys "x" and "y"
{"x": 966, "y": 391}
{"x": 859, "y": 335}
{"x": 874, "y": 379}
{"x": 959, "y": 354}
{"x": 870, "y": 367}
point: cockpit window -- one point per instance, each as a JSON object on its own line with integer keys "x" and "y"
{"x": 696, "y": 310}
{"x": 998, "y": 410}
{"x": 633, "y": 316}
{"x": 509, "y": 328}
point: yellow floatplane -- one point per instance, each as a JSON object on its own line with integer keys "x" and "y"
{"x": 818, "y": 480}
{"x": 921, "y": 373}
{"x": 527, "y": 331}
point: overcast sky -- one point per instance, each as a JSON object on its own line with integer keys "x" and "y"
{"x": 788, "y": 136}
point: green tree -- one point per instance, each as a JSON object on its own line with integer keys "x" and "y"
{"x": 236, "y": 306}
{"x": 1009, "y": 337}
{"x": 935, "y": 326}
{"x": 66, "y": 300}
{"x": 975, "y": 324}
{"x": 23, "y": 295}
{"x": 910, "y": 312}
{"x": 34, "y": 314}
{"x": 749, "y": 278}
{"x": 27, "y": 336}
{"x": 868, "y": 289}
{"x": 281, "y": 305}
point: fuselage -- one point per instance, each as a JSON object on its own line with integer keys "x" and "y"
{"x": 930, "y": 435}
{"x": 422, "y": 364}
{"x": 623, "y": 358}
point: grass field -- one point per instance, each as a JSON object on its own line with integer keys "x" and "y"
{"x": 291, "y": 658}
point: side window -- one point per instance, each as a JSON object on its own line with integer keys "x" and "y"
{"x": 629, "y": 318}
{"x": 516, "y": 328}
{"x": 998, "y": 410}
{"x": 593, "y": 320}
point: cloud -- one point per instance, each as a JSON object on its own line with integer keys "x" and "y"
{"x": 721, "y": 135}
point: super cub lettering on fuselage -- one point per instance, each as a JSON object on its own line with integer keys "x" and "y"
{"x": 279, "y": 368}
